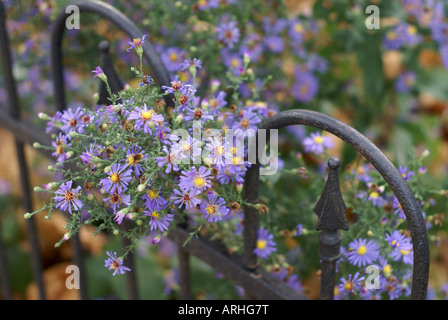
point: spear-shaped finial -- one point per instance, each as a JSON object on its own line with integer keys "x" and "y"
{"x": 331, "y": 208}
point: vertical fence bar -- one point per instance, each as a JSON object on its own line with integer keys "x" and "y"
{"x": 14, "y": 106}
{"x": 330, "y": 210}
{"x": 4, "y": 274}
{"x": 184, "y": 273}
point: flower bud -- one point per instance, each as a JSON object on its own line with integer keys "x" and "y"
{"x": 27, "y": 215}
{"x": 73, "y": 134}
{"x": 43, "y": 116}
{"x": 107, "y": 169}
{"x": 141, "y": 187}
{"x": 37, "y": 145}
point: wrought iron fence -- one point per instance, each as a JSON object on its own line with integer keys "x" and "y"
{"x": 241, "y": 270}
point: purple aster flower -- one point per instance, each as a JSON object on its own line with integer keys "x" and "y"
{"x": 115, "y": 263}
{"x": 158, "y": 221}
{"x": 213, "y": 207}
{"x": 134, "y": 156}
{"x": 350, "y": 285}
{"x": 146, "y": 118}
{"x": 60, "y": 145}
{"x": 198, "y": 114}
{"x": 66, "y": 197}
{"x": 405, "y": 81}
{"x": 188, "y": 63}
{"x": 154, "y": 200}
{"x": 170, "y": 159}
{"x": 118, "y": 178}
{"x": 384, "y": 266}
{"x": 398, "y": 209}
{"x": 98, "y": 72}
{"x": 403, "y": 251}
{"x": 401, "y": 35}
{"x": 195, "y": 179}
{"x": 274, "y": 25}
{"x": 228, "y": 33}
{"x": 230, "y": 174}
{"x": 296, "y": 31}
{"x": 362, "y": 253}
{"x": 116, "y": 200}
{"x": 265, "y": 245}
{"x": 120, "y": 215}
{"x": 216, "y": 103}
{"x": 233, "y": 61}
{"x": 189, "y": 147}
{"x": 316, "y": 63}
{"x": 208, "y": 4}
{"x": 186, "y": 98}
{"x": 71, "y": 121}
{"x": 395, "y": 238}
{"x": 186, "y": 198}
{"x": 87, "y": 156}
{"x": 176, "y": 86}
{"x": 375, "y": 196}
{"x": 246, "y": 123}
{"x": 52, "y": 124}
{"x": 215, "y": 150}
{"x": 172, "y": 58}
{"x": 136, "y": 43}
{"x": 405, "y": 173}
{"x": 274, "y": 43}
{"x": 316, "y": 143}
{"x": 305, "y": 87}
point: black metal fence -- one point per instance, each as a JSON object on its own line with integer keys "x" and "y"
{"x": 241, "y": 270}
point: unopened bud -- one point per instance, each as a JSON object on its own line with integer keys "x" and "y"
{"x": 37, "y": 145}
{"x": 107, "y": 169}
{"x": 141, "y": 187}
{"x": 27, "y": 215}
{"x": 43, "y": 116}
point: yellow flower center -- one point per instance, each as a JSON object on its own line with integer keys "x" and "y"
{"x": 219, "y": 150}
{"x": 235, "y": 63}
{"x": 374, "y": 195}
{"x": 395, "y": 243}
{"x": 114, "y": 177}
{"x": 244, "y": 123}
{"x": 154, "y": 215}
{"x": 147, "y": 115}
{"x": 59, "y": 150}
{"x": 405, "y": 252}
{"x": 348, "y": 286}
{"x": 391, "y": 35}
{"x": 387, "y": 269}
{"x": 298, "y": 28}
{"x": 362, "y": 250}
{"x": 233, "y": 150}
{"x": 211, "y": 209}
{"x": 199, "y": 182}
{"x": 412, "y": 30}
{"x": 173, "y": 56}
{"x": 319, "y": 139}
{"x": 236, "y": 160}
{"x": 262, "y": 244}
{"x": 153, "y": 194}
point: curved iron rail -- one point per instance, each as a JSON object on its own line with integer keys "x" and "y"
{"x": 377, "y": 158}
{"x": 108, "y": 12}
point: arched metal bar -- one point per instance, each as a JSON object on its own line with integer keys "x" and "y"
{"x": 158, "y": 71}
{"x": 377, "y": 158}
